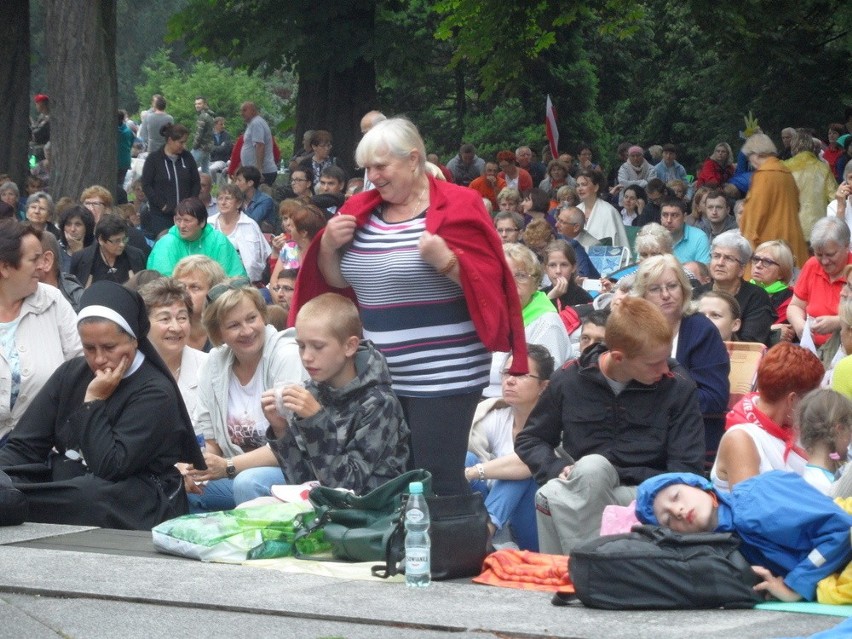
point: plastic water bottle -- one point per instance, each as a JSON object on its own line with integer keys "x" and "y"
{"x": 418, "y": 546}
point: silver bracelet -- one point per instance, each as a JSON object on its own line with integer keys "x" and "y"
{"x": 481, "y": 470}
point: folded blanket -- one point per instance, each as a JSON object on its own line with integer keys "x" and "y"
{"x": 526, "y": 570}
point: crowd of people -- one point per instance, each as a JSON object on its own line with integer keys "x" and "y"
{"x": 454, "y": 317}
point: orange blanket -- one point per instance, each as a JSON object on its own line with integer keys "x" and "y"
{"x": 526, "y": 570}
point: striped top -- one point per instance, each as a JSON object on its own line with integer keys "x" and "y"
{"x": 416, "y": 317}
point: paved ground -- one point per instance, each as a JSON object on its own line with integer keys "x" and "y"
{"x": 54, "y": 588}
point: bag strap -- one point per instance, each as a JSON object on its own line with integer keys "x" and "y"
{"x": 306, "y": 523}
{"x": 661, "y": 535}
{"x": 564, "y": 599}
{"x": 396, "y": 539}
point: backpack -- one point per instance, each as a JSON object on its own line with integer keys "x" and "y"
{"x": 657, "y": 568}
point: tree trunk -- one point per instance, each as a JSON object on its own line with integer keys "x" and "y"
{"x": 15, "y": 89}
{"x": 334, "y": 95}
{"x": 336, "y": 102}
{"x": 82, "y": 84}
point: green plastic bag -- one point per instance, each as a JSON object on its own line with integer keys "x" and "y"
{"x": 256, "y": 532}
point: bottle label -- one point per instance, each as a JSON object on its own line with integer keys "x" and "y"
{"x": 417, "y": 560}
{"x": 414, "y": 515}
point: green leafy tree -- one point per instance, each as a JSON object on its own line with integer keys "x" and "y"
{"x": 500, "y": 37}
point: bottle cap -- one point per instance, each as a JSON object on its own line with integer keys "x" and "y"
{"x": 415, "y": 488}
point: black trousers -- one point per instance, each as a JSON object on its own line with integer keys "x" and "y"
{"x": 440, "y": 427}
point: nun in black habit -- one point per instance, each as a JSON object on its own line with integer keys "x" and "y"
{"x": 98, "y": 444}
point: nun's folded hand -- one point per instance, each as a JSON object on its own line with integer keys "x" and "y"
{"x": 106, "y": 381}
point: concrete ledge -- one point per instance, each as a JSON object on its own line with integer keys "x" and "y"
{"x": 56, "y": 586}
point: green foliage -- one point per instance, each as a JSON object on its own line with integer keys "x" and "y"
{"x": 506, "y": 127}
{"x": 271, "y": 34}
{"x": 225, "y": 89}
{"x": 499, "y": 38}
{"x": 656, "y": 71}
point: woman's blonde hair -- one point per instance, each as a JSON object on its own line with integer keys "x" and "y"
{"x": 525, "y": 257}
{"x": 781, "y": 253}
{"x": 652, "y": 269}
{"x": 218, "y": 308}
{"x": 209, "y": 268}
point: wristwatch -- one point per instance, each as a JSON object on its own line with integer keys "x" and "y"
{"x": 230, "y": 470}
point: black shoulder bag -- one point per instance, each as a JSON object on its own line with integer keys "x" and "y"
{"x": 656, "y": 568}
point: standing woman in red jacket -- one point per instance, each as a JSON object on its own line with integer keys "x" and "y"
{"x": 435, "y": 293}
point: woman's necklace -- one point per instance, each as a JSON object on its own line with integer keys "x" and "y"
{"x": 110, "y": 265}
{"x": 416, "y": 210}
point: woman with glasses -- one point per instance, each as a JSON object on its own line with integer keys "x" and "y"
{"x": 772, "y": 270}
{"x": 302, "y": 183}
{"x": 697, "y": 344}
{"x": 192, "y": 235}
{"x": 542, "y": 323}
{"x": 321, "y": 157}
{"x": 492, "y": 467}
{"x": 109, "y": 257}
{"x": 243, "y": 231}
{"x": 813, "y": 309}
{"x": 250, "y": 357}
{"x": 40, "y": 212}
{"x": 730, "y": 252}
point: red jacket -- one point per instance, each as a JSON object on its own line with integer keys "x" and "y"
{"x": 713, "y": 174}
{"x": 458, "y": 216}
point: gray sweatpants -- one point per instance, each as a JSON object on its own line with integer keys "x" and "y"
{"x": 569, "y": 511}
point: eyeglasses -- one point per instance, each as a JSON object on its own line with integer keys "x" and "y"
{"x": 220, "y": 289}
{"x": 522, "y": 278}
{"x": 282, "y": 287}
{"x": 657, "y": 289}
{"x": 505, "y": 374}
{"x": 118, "y": 242}
{"x": 88, "y": 203}
{"x": 299, "y": 180}
{"x": 763, "y": 261}
{"x": 507, "y": 231}
{"x": 727, "y": 259}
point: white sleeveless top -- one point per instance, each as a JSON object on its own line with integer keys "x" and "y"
{"x": 771, "y": 452}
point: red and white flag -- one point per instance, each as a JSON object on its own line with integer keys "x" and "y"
{"x": 551, "y": 128}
